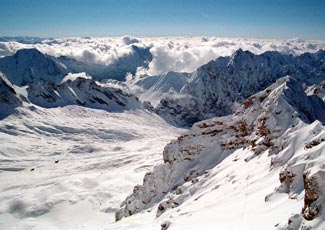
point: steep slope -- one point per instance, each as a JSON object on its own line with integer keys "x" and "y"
{"x": 29, "y": 66}
{"x": 8, "y": 97}
{"x": 276, "y": 140}
{"x": 216, "y": 88}
{"x": 154, "y": 88}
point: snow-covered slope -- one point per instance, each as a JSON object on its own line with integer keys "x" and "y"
{"x": 216, "y": 88}
{"x": 154, "y": 88}
{"x": 29, "y": 66}
{"x": 257, "y": 168}
{"x": 83, "y": 92}
{"x": 69, "y": 167}
{"x": 75, "y": 89}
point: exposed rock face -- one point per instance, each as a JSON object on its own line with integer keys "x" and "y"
{"x": 260, "y": 125}
{"x": 7, "y": 92}
{"x": 8, "y": 96}
{"x": 216, "y": 88}
{"x": 314, "y": 192}
{"x": 286, "y": 178}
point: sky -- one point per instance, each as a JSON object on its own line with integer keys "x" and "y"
{"x": 221, "y": 18}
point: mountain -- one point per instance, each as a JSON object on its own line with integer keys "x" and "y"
{"x": 78, "y": 91}
{"x": 217, "y": 88}
{"x": 263, "y": 160}
{"x": 83, "y": 92}
{"x": 29, "y": 66}
{"x": 154, "y": 88}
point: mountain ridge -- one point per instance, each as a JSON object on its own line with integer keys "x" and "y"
{"x": 216, "y": 88}
{"x": 264, "y": 125}
{"x": 28, "y": 66}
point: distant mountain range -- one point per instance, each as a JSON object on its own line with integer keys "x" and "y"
{"x": 217, "y": 88}
{"x": 28, "y": 66}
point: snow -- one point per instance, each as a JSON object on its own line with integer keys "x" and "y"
{"x": 226, "y": 171}
{"x": 101, "y": 156}
{"x": 218, "y": 87}
{"x": 154, "y": 88}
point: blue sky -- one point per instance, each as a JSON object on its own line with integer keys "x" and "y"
{"x": 223, "y": 18}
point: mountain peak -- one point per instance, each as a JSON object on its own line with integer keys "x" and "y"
{"x": 31, "y": 51}
{"x": 240, "y": 55}
{"x": 28, "y": 66}
{"x": 241, "y": 52}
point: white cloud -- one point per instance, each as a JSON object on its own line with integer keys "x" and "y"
{"x": 182, "y": 54}
{"x": 73, "y": 76}
{"x": 128, "y": 40}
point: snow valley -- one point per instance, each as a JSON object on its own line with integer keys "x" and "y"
{"x": 162, "y": 133}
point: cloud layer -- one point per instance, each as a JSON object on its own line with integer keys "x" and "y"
{"x": 181, "y": 54}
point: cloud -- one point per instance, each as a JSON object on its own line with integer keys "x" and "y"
{"x": 181, "y": 54}
{"x": 73, "y": 76}
{"x": 128, "y": 40}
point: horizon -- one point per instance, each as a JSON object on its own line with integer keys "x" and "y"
{"x": 159, "y": 37}
{"x": 144, "y": 18}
